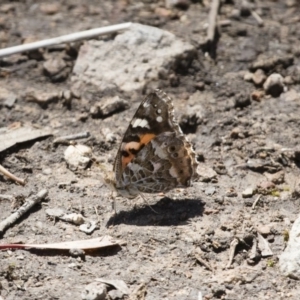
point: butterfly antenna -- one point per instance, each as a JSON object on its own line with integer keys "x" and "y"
{"x": 144, "y": 198}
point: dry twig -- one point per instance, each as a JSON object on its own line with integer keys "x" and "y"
{"x": 66, "y": 139}
{"x": 30, "y": 202}
{"x": 203, "y": 262}
{"x": 257, "y": 17}
{"x": 255, "y": 202}
{"x": 212, "y": 20}
{"x": 11, "y": 176}
{"x": 233, "y": 246}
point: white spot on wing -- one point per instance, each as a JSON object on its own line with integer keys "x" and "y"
{"x": 140, "y": 123}
{"x": 159, "y": 111}
{"x": 146, "y": 104}
{"x": 159, "y": 119}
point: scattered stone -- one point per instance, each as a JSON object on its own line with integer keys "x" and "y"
{"x": 132, "y": 59}
{"x": 42, "y": 98}
{"x": 109, "y": 107}
{"x": 210, "y": 191}
{"x": 265, "y": 187}
{"x": 56, "y": 69}
{"x": 163, "y": 12}
{"x": 257, "y": 95}
{"x": 47, "y": 171}
{"x": 231, "y": 193}
{"x": 268, "y": 63}
{"x": 117, "y": 284}
{"x": 78, "y": 156}
{"x": 274, "y": 85}
{"x": 241, "y": 100}
{"x": 6, "y": 8}
{"x": 289, "y": 260}
{"x": 10, "y": 101}
{"x": 263, "y": 165}
{"x": 235, "y": 133}
{"x": 94, "y": 291}
{"x": 290, "y": 95}
{"x": 206, "y": 174}
{"x": 245, "y": 8}
{"x": 181, "y": 4}
{"x": 76, "y": 252}
{"x": 276, "y": 178}
{"x": 248, "y": 192}
{"x": 248, "y": 76}
{"x": 259, "y": 77}
{"x": 109, "y": 135}
{"x": 67, "y": 96}
{"x": 54, "y": 212}
{"x": 116, "y": 294}
{"x": 264, "y": 230}
{"x": 88, "y": 227}
{"x": 50, "y": 8}
{"x": 263, "y": 246}
{"x": 7, "y": 98}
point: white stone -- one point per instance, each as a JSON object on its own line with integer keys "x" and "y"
{"x": 289, "y": 260}
{"x": 78, "y": 156}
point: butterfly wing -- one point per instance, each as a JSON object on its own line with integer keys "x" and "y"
{"x": 166, "y": 162}
{"x": 154, "y": 116}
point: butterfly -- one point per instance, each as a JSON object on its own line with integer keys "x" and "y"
{"x": 154, "y": 155}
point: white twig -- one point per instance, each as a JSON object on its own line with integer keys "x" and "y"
{"x": 212, "y": 20}
{"x": 233, "y": 246}
{"x": 257, "y": 17}
{"x": 255, "y": 202}
{"x": 64, "y": 39}
{"x": 11, "y": 176}
{"x": 30, "y": 202}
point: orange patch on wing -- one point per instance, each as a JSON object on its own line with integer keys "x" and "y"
{"x": 144, "y": 140}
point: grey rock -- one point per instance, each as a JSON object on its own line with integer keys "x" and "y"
{"x": 10, "y": 100}
{"x": 94, "y": 291}
{"x": 116, "y": 294}
{"x": 289, "y": 260}
{"x": 274, "y": 85}
{"x": 56, "y": 68}
{"x": 108, "y": 107}
{"x": 182, "y": 4}
{"x": 134, "y": 58}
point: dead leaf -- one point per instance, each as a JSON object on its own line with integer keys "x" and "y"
{"x": 100, "y": 242}
{"x": 10, "y": 136}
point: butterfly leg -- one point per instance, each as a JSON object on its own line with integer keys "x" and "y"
{"x": 113, "y": 202}
{"x": 145, "y": 200}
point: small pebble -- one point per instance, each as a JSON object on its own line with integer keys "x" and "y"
{"x": 247, "y": 193}
{"x": 264, "y": 230}
{"x": 259, "y": 77}
{"x": 94, "y": 291}
{"x": 274, "y": 85}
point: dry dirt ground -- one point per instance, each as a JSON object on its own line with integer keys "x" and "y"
{"x": 246, "y": 142}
